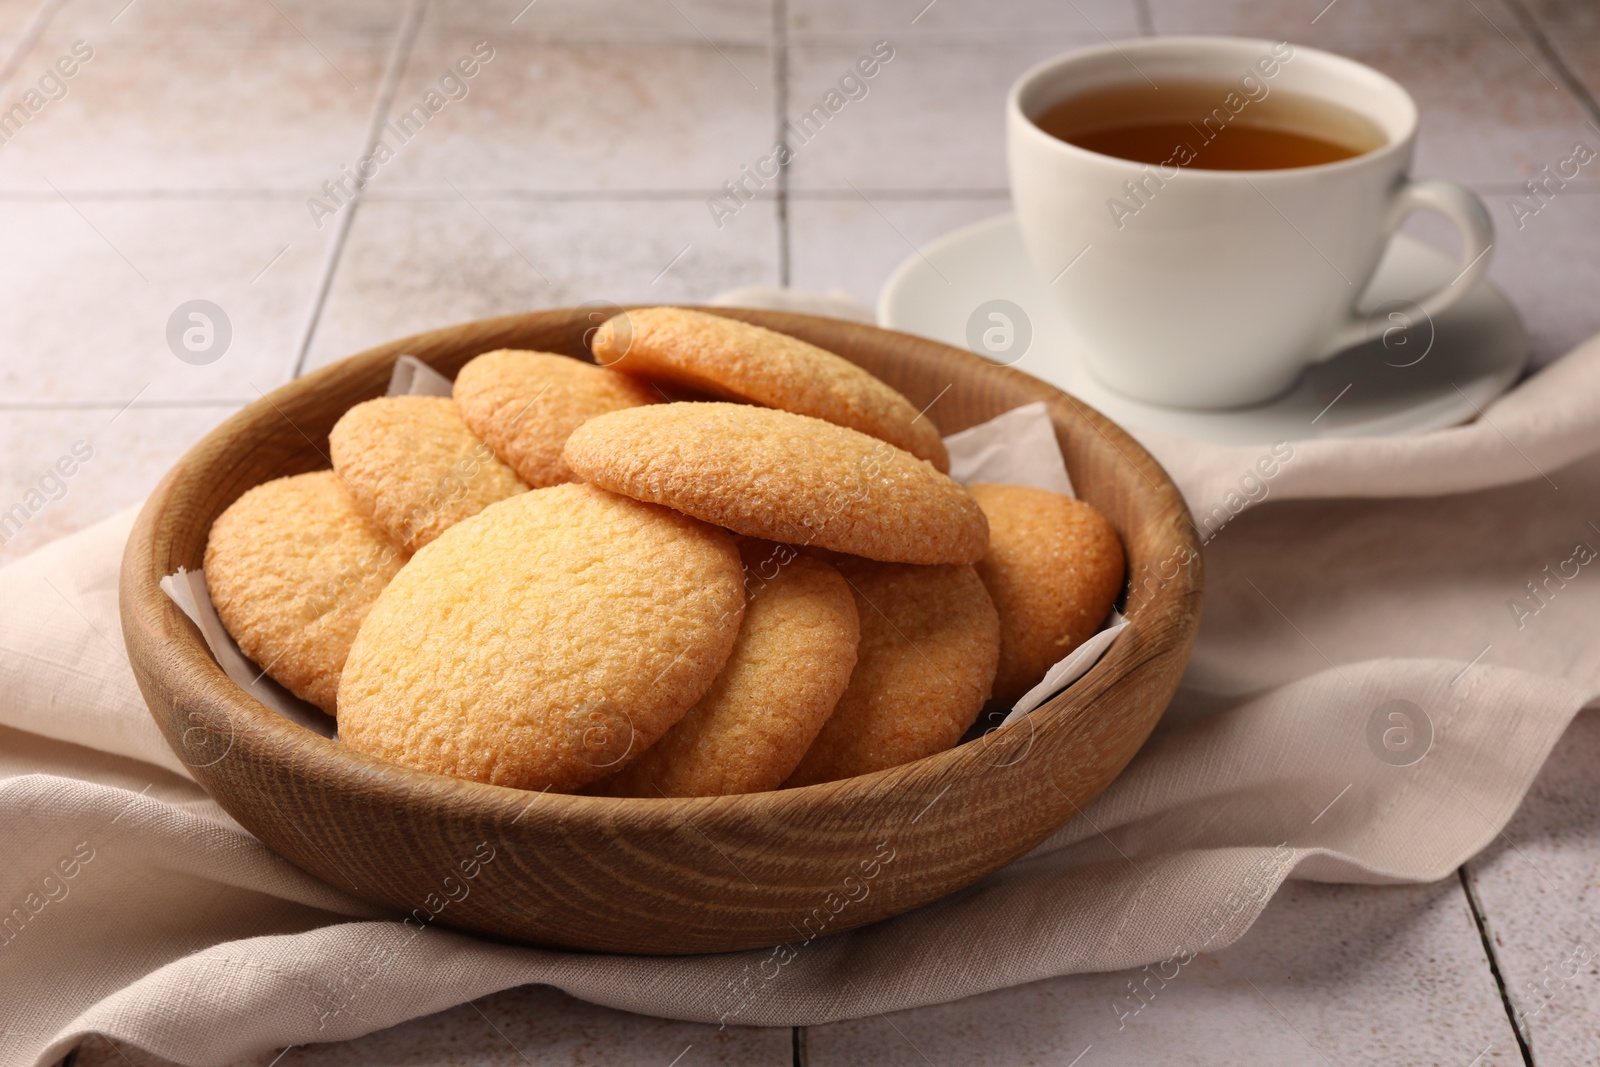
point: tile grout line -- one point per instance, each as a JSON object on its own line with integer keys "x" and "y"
{"x": 855, "y": 194}
{"x": 30, "y": 37}
{"x": 780, "y": 96}
{"x": 405, "y": 40}
{"x": 1547, "y": 48}
{"x": 176, "y": 403}
{"x": 393, "y": 194}
{"x": 1481, "y": 921}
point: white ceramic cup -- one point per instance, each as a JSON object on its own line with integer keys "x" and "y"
{"x": 1221, "y": 286}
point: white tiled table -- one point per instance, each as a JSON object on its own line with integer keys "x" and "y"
{"x": 577, "y": 167}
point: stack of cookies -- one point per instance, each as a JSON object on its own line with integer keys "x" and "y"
{"x": 559, "y": 578}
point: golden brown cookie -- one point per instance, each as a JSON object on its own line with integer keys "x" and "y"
{"x": 792, "y": 661}
{"x": 524, "y": 404}
{"x": 783, "y": 477}
{"x": 1053, "y": 569}
{"x": 737, "y": 361}
{"x": 292, "y": 567}
{"x": 543, "y": 642}
{"x": 413, "y": 465}
{"x": 930, "y": 640}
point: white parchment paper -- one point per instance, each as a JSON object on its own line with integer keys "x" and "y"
{"x": 187, "y": 589}
{"x": 1016, "y": 448}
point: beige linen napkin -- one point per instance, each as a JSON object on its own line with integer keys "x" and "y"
{"x": 1367, "y": 702}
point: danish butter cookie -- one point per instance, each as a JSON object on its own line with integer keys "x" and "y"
{"x": 792, "y": 661}
{"x": 1053, "y": 569}
{"x": 413, "y": 466}
{"x": 783, "y": 477}
{"x": 738, "y": 361}
{"x": 292, "y": 567}
{"x": 524, "y": 404}
{"x": 545, "y": 641}
{"x": 930, "y": 640}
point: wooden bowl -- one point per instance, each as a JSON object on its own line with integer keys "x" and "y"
{"x": 656, "y": 875}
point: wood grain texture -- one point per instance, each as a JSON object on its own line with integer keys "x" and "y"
{"x": 659, "y": 876}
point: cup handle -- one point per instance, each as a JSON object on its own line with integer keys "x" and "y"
{"x": 1463, "y": 208}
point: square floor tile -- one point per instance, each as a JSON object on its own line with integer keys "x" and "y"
{"x": 1579, "y": 49}
{"x": 1541, "y": 260}
{"x": 933, "y": 116}
{"x": 719, "y": 21}
{"x": 196, "y": 110}
{"x": 413, "y": 265}
{"x": 854, "y": 244}
{"x": 1539, "y": 886}
{"x": 92, "y": 284}
{"x": 67, "y": 469}
{"x": 1548, "y": 268}
{"x": 1564, "y": 16}
{"x": 1315, "y": 21}
{"x": 297, "y": 19}
{"x": 843, "y": 22}
{"x": 1501, "y": 124}
{"x": 588, "y": 117}
{"x": 1338, "y": 974}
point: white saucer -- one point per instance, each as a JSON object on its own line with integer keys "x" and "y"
{"x": 1424, "y": 378}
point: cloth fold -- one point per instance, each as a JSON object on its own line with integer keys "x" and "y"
{"x": 1365, "y": 704}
